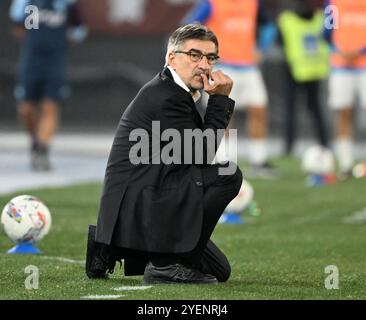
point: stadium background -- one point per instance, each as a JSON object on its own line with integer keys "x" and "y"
{"x": 126, "y": 48}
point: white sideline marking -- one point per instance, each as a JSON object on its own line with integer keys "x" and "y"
{"x": 132, "y": 288}
{"x": 356, "y": 217}
{"x": 101, "y": 296}
{"x": 62, "y": 259}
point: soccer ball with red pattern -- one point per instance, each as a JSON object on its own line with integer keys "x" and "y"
{"x": 26, "y": 219}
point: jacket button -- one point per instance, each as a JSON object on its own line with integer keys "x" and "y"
{"x": 199, "y": 183}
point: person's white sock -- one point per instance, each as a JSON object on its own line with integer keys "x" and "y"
{"x": 258, "y": 151}
{"x": 344, "y": 153}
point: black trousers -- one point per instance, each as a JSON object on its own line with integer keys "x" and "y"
{"x": 219, "y": 190}
{"x": 311, "y": 90}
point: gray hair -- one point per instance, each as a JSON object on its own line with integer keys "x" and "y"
{"x": 190, "y": 31}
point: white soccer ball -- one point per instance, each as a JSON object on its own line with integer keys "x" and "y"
{"x": 243, "y": 198}
{"x": 318, "y": 160}
{"x": 26, "y": 219}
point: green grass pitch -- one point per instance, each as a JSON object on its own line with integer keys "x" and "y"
{"x": 282, "y": 254}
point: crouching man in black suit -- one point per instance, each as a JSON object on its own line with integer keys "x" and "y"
{"x": 158, "y": 210}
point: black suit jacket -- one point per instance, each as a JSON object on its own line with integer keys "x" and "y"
{"x": 158, "y": 206}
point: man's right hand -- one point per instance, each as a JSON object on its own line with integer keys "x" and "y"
{"x": 221, "y": 84}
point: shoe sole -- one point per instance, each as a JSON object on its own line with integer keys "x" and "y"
{"x": 150, "y": 281}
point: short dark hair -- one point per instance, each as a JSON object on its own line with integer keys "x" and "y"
{"x": 191, "y": 31}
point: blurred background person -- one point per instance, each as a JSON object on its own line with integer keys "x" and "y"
{"x": 345, "y": 27}
{"x": 243, "y": 29}
{"x": 43, "y": 27}
{"x": 307, "y": 65}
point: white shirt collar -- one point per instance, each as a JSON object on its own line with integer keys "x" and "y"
{"x": 179, "y": 82}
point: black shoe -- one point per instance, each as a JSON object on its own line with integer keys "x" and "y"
{"x": 98, "y": 264}
{"x": 176, "y": 273}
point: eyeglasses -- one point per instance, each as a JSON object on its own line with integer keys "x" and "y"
{"x": 197, "y": 56}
